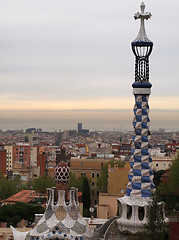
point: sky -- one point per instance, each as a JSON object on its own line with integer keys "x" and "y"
{"x": 75, "y": 55}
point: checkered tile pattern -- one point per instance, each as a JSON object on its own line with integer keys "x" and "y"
{"x": 140, "y": 175}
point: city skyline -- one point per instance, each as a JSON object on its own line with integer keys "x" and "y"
{"x": 76, "y": 55}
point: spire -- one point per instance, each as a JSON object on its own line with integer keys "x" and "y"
{"x": 142, "y": 37}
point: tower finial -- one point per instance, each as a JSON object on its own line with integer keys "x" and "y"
{"x": 142, "y": 37}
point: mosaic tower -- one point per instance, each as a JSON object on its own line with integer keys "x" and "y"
{"x": 133, "y": 207}
{"x": 141, "y": 175}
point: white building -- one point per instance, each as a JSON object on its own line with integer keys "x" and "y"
{"x": 9, "y": 158}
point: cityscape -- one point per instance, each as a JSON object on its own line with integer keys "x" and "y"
{"x": 80, "y": 158}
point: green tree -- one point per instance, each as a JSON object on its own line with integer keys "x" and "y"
{"x": 13, "y": 214}
{"x": 157, "y": 177}
{"x": 76, "y": 182}
{"x": 102, "y": 182}
{"x": 9, "y": 187}
{"x": 73, "y": 181}
{"x": 42, "y": 183}
{"x": 156, "y": 227}
{"x": 86, "y": 199}
{"x": 174, "y": 176}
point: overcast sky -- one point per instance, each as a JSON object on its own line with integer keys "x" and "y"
{"x": 76, "y": 54}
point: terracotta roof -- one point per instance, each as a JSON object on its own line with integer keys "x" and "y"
{"x": 24, "y": 196}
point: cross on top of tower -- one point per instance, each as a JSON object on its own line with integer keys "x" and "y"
{"x": 142, "y": 37}
{"x": 142, "y": 15}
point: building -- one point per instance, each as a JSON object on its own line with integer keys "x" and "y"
{"x": 26, "y": 196}
{"x": 79, "y": 127}
{"x": 82, "y": 131}
{"x": 161, "y": 163}
{"x": 33, "y": 156}
{"x": 117, "y": 181}
{"x": 118, "y": 178}
{"x": 9, "y": 157}
{"x": 90, "y": 168}
{"x": 31, "y": 138}
{"x": 2, "y": 161}
{"x": 41, "y": 163}
{"x": 21, "y": 154}
{"x": 107, "y": 206}
{"x": 61, "y": 220}
{"x": 172, "y": 147}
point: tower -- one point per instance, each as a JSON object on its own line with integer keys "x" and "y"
{"x": 79, "y": 127}
{"x": 133, "y": 206}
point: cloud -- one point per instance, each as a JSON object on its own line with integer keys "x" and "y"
{"x": 77, "y": 54}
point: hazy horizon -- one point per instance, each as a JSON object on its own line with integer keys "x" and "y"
{"x": 108, "y": 119}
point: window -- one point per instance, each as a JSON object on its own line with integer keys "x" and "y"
{"x": 83, "y": 174}
{"x": 97, "y": 175}
{"x": 156, "y": 164}
{"x": 129, "y": 212}
{"x": 93, "y": 193}
{"x": 92, "y": 175}
{"x": 93, "y": 184}
{"x": 164, "y": 164}
{"x": 82, "y": 164}
{"x": 141, "y": 213}
{"x": 119, "y": 208}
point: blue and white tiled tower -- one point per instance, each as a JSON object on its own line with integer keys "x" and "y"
{"x": 133, "y": 207}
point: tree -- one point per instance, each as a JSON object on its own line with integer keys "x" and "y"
{"x": 156, "y": 227}
{"x": 73, "y": 181}
{"x": 42, "y": 183}
{"x": 174, "y": 176}
{"x": 13, "y": 214}
{"x": 86, "y": 199}
{"x": 9, "y": 187}
{"x": 102, "y": 182}
{"x": 157, "y": 177}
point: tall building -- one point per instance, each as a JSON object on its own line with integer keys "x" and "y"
{"x": 9, "y": 157}
{"x": 21, "y": 154}
{"x": 79, "y": 127}
{"x": 134, "y": 205}
{"x": 2, "y": 161}
{"x": 31, "y": 138}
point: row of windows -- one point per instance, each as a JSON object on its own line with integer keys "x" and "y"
{"x": 92, "y": 175}
{"x": 164, "y": 164}
{"x": 93, "y": 193}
